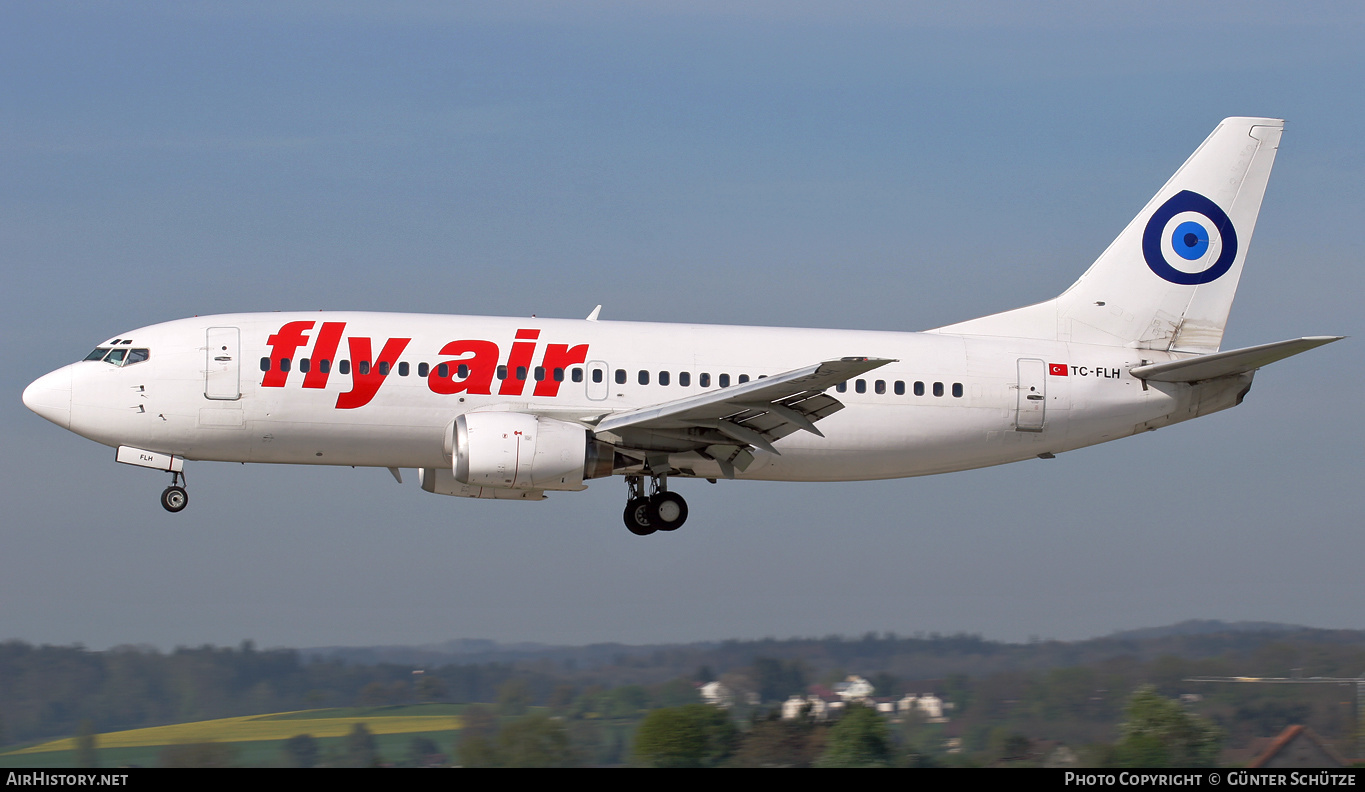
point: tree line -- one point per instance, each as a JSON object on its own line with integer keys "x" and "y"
{"x": 1012, "y": 702}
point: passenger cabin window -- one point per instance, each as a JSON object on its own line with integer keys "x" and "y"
{"x": 957, "y": 390}
{"x": 423, "y": 369}
{"x": 403, "y": 369}
{"x": 684, "y": 378}
{"x": 663, "y": 377}
{"x": 900, "y": 388}
{"x": 620, "y": 376}
{"x": 842, "y": 387}
{"x": 325, "y": 366}
{"x": 577, "y": 375}
{"x": 643, "y": 377}
{"x": 919, "y": 388}
{"x": 860, "y": 386}
{"x": 724, "y": 380}
{"x": 598, "y": 374}
{"x": 304, "y": 365}
{"x": 343, "y": 367}
{"x": 743, "y": 378}
{"x": 938, "y": 388}
{"x": 705, "y": 380}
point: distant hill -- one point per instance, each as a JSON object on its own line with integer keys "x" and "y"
{"x": 1204, "y": 627}
{"x": 478, "y": 651}
{"x": 921, "y": 656}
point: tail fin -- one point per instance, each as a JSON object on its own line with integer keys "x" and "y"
{"x": 1168, "y": 280}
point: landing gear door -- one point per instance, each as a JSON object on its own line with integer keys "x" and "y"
{"x": 222, "y": 366}
{"x": 1032, "y": 388}
{"x": 597, "y": 383}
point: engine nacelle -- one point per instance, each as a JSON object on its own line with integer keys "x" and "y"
{"x": 516, "y": 451}
{"x": 442, "y": 482}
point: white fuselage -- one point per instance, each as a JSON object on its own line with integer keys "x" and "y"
{"x": 947, "y": 403}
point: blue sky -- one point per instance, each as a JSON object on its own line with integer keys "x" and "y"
{"x": 896, "y": 166}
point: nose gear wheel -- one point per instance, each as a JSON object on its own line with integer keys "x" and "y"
{"x": 174, "y": 498}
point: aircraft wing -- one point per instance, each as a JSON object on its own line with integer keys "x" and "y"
{"x": 731, "y": 420}
{"x": 1234, "y": 361}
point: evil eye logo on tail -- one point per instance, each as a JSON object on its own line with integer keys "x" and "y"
{"x": 1189, "y": 240}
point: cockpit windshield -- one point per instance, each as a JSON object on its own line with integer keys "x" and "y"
{"x": 119, "y": 356}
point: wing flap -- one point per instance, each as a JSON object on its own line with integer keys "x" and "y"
{"x": 751, "y": 414}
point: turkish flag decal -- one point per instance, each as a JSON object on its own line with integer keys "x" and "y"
{"x": 1057, "y": 369}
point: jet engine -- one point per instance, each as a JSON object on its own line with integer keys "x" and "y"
{"x": 516, "y": 451}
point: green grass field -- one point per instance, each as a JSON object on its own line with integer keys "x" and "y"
{"x": 257, "y": 739}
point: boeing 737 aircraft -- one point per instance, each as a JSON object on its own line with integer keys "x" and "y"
{"x": 512, "y": 408}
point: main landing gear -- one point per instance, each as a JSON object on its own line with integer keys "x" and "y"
{"x": 661, "y": 510}
{"x": 174, "y": 498}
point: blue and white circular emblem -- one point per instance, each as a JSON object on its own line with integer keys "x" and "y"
{"x": 1189, "y": 240}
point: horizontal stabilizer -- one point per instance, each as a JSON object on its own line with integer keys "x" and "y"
{"x": 1224, "y": 364}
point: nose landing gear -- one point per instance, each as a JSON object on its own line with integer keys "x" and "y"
{"x": 660, "y": 511}
{"x": 174, "y": 498}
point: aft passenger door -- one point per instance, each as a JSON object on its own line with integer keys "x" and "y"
{"x": 1032, "y": 405}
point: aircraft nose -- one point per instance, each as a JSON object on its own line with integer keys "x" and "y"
{"x": 50, "y": 396}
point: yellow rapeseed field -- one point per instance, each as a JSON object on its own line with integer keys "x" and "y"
{"x": 257, "y": 727}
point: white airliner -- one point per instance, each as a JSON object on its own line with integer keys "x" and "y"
{"x": 511, "y": 408}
